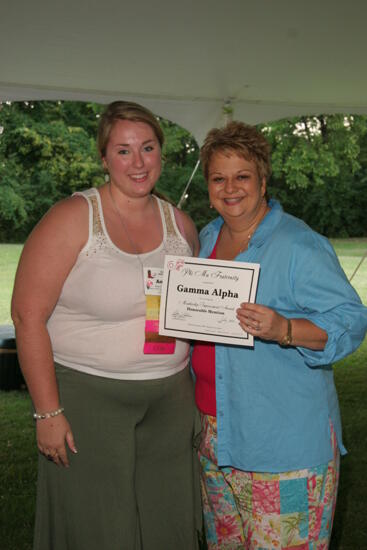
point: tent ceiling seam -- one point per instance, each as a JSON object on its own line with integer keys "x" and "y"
{"x": 169, "y": 97}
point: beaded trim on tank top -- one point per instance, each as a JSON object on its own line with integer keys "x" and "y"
{"x": 99, "y": 238}
{"x": 174, "y": 243}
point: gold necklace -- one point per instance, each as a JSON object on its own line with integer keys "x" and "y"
{"x": 119, "y": 215}
{"x": 132, "y": 243}
{"x": 244, "y": 244}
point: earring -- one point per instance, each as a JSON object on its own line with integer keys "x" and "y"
{"x": 107, "y": 177}
{"x": 210, "y": 205}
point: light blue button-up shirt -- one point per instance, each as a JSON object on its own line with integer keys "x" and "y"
{"x": 274, "y": 404}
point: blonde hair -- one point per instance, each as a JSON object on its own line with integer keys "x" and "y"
{"x": 125, "y": 110}
{"x": 239, "y": 138}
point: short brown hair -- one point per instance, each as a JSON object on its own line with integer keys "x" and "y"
{"x": 125, "y": 110}
{"x": 242, "y": 139}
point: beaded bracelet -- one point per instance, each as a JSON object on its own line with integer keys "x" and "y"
{"x": 42, "y": 416}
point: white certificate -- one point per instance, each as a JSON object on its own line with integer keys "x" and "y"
{"x": 200, "y": 298}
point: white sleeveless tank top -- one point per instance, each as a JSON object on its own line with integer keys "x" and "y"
{"x": 98, "y": 324}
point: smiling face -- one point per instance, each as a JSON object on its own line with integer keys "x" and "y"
{"x": 133, "y": 158}
{"x": 235, "y": 189}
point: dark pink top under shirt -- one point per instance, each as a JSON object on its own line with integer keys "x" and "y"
{"x": 203, "y": 364}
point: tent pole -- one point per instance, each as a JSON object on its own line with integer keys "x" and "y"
{"x": 183, "y": 196}
{"x": 227, "y": 114}
{"x": 359, "y": 265}
{"x": 227, "y": 111}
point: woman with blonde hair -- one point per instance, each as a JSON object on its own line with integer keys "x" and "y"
{"x": 270, "y": 417}
{"x": 113, "y": 401}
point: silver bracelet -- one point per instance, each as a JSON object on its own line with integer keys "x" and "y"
{"x": 42, "y": 416}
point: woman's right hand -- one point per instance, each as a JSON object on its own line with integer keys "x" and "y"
{"x": 51, "y": 436}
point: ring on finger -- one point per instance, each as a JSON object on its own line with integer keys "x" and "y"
{"x": 50, "y": 456}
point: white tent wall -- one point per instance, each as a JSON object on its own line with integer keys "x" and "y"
{"x": 185, "y": 59}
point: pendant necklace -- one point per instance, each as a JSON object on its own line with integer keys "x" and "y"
{"x": 253, "y": 225}
{"x": 132, "y": 244}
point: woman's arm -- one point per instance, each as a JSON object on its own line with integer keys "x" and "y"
{"x": 328, "y": 320}
{"x": 265, "y": 323}
{"x": 47, "y": 258}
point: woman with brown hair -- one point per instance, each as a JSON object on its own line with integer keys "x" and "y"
{"x": 270, "y": 416}
{"x": 104, "y": 385}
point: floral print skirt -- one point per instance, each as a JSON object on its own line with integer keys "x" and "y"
{"x": 264, "y": 511}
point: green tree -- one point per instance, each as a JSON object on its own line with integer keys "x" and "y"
{"x": 45, "y": 156}
{"x": 320, "y": 171}
{"x": 48, "y": 151}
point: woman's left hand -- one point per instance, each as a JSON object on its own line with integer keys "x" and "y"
{"x": 262, "y": 322}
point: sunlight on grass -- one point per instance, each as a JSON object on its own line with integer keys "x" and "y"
{"x": 350, "y": 252}
{"x": 9, "y": 257}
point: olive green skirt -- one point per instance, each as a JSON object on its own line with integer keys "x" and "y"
{"x": 134, "y": 483}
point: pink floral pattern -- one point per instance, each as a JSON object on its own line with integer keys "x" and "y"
{"x": 261, "y": 511}
{"x": 265, "y": 497}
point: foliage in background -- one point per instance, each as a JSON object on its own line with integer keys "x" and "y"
{"x": 47, "y": 151}
{"x": 180, "y": 154}
{"x": 320, "y": 171}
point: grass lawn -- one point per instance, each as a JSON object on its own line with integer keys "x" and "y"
{"x": 350, "y": 252}
{"x": 9, "y": 256}
{"x": 18, "y": 455}
{"x": 18, "y": 471}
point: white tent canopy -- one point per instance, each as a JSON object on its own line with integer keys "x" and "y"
{"x": 185, "y": 60}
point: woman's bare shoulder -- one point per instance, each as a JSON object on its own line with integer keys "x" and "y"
{"x": 67, "y": 215}
{"x": 64, "y": 226}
